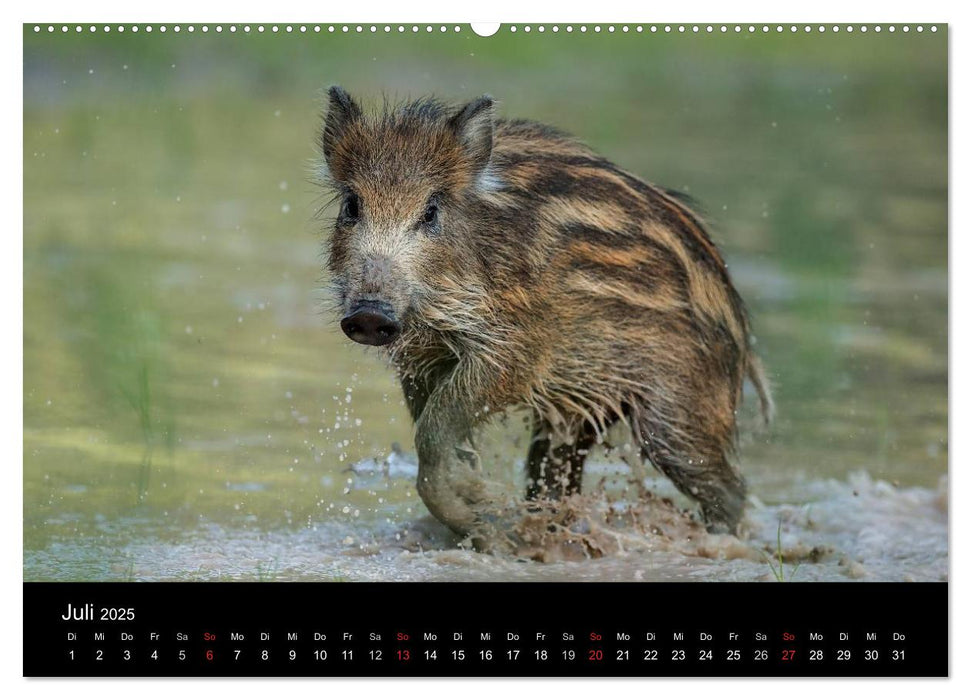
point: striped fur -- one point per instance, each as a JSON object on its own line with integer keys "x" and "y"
{"x": 553, "y": 279}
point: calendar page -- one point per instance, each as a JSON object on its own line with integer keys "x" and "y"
{"x": 515, "y": 349}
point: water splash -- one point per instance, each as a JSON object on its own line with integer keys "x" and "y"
{"x": 857, "y": 529}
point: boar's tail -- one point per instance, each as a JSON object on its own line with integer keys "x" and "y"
{"x": 756, "y": 372}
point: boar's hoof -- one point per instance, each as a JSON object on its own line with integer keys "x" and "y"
{"x": 446, "y": 505}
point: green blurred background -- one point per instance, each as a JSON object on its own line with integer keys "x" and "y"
{"x": 179, "y": 367}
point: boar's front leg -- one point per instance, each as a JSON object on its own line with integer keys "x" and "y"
{"x": 418, "y": 388}
{"x": 446, "y": 483}
{"x": 416, "y": 395}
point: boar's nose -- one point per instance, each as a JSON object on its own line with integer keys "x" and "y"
{"x": 371, "y": 323}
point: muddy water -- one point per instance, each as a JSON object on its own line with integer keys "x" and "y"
{"x": 859, "y": 528}
{"x": 191, "y": 410}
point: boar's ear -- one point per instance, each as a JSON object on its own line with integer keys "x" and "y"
{"x": 341, "y": 111}
{"x": 473, "y": 127}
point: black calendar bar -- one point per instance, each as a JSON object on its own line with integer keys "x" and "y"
{"x": 480, "y": 629}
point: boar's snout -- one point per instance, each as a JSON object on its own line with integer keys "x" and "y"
{"x": 371, "y": 323}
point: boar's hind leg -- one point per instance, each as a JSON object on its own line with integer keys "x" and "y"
{"x": 703, "y": 474}
{"x": 554, "y": 472}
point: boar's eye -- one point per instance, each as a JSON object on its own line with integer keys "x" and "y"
{"x": 430, "y": 217}
{"x": 351, "y": 208}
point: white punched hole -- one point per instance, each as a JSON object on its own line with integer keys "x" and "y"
{"x": 485, "y": 28}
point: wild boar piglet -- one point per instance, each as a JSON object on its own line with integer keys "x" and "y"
{"x": 500, "y": 264}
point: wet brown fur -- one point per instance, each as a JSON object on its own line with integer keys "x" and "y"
{"x": 554, "y": 280}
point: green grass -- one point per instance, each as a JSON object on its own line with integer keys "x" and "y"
{"x": 776, "y": 562}
{"x": 268, "y": 571}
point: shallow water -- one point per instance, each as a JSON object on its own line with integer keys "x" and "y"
{"x": 191, "y": 409}
{"x": 858, "y": 529}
